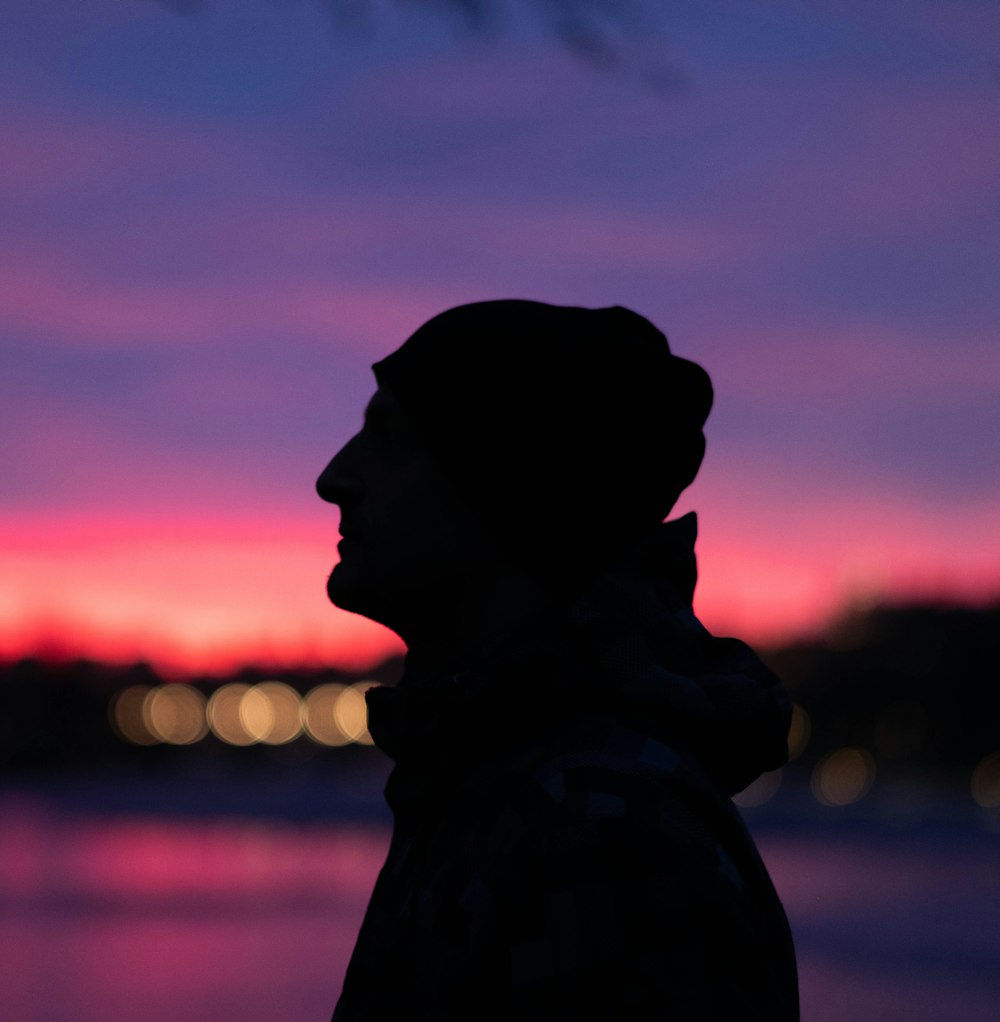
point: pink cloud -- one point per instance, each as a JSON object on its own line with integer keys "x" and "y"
{"x": 864, "y": 158}
{"x": 49, "y": 149}
{"x": 59, "y": 299}
{"x": 595, "y": 236}
{"x": 812, "y": 362}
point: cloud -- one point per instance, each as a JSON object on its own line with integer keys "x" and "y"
{"x": 55, "y": 150}
{"x": 70, "y": 309}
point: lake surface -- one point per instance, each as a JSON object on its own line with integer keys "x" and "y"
{"x": 126, "y": 916}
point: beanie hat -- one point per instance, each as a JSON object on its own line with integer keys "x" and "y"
{"x": 569, "y": 431}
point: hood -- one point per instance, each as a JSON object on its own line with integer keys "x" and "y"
{"x": 629, "y": 649}
{"x": 713, "y": 696}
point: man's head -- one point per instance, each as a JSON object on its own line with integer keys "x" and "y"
{"x": 558, "y": 434}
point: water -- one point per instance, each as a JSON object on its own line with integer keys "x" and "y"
{"x": 112, "y": 918}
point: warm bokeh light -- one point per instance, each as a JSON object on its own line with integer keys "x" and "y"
{"x": 271, "y": 713}
{"x": 175, "y": 714}
{"x": 127, "y": 715}
{"x": 799, "y": 732}
{"x": 284, "y": 709}
{"x": 243, "y": 714}
{"x": 760, "y": 791}
{"x": 351, "y": 713}
{"x": 986, "y": 782}
{"x": 256, "y": 714}
{"x": 319, "y": 717}
{"x": 843, "y": 776}
{"x": 225, "y": 717}
{"x": 336, "y": 714}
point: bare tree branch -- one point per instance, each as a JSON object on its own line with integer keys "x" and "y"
{"x": 612, "y": 35}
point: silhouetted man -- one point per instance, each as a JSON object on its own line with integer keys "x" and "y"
{"x": 566, "y": 734}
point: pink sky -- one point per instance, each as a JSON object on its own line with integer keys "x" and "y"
{"x": 212, "y": 226}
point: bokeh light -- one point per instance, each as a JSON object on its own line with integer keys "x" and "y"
{"x": 337, "y": 714}
{"x": 224, "y": 716}
{"x": 843, "y": 776}
{"x": 285, "y": 711}
{"x": 127, "y": 716}
{"x": 272, "y": 713}
{"x": 986, "y": 782}
{"x": 175, "y": 714}
{"x": 318, "y": 716}
{"x": 351, "y": 713}
{"x": 256, "y": 714}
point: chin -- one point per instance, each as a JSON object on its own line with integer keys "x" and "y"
{"x": 361, "y": 597}
{"x": 339, "y": 588}
{"x": 349, "y": 594}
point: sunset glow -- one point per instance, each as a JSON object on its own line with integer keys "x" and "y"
{"x": 214, "y": 225}
{"x": 213, "y": 595}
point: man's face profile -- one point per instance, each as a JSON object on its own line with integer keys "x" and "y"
{"x": 469, "y": 495}
{"x": 405, "y": 534}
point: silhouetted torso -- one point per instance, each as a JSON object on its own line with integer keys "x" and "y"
{"x": 566, "y": 734}
{"x": 564, "y": 843}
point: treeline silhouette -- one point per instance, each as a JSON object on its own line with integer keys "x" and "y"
{"x": 914, "y": 684}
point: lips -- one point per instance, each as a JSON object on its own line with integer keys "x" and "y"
{"x": 346, "y": 537}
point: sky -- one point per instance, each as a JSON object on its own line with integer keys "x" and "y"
{"x": 212, "y": 224}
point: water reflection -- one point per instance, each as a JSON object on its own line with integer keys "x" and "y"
{"x": 112, "y": 920}
{"x": 118, "y": 918}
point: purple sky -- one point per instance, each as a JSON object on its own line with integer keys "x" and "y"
{"x": 212, "y": 225}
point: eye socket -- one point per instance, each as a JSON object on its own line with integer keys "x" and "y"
{"x": 376, "y": 420}
{"x": 387, "y": 437}
{"x": 388, "y": 430}
{"x": 378, "y": 429}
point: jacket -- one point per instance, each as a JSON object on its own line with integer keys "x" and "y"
{"x": 564, "y": 842}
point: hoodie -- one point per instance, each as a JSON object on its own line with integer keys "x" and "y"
{"x": 564, "y": 843}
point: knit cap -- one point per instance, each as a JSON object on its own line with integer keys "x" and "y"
{"x": 569, "y": 431}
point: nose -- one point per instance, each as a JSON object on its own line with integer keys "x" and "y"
{"x": 336, "y": 484}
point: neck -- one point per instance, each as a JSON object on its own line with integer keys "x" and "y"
{"x": 449, "y": 633}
